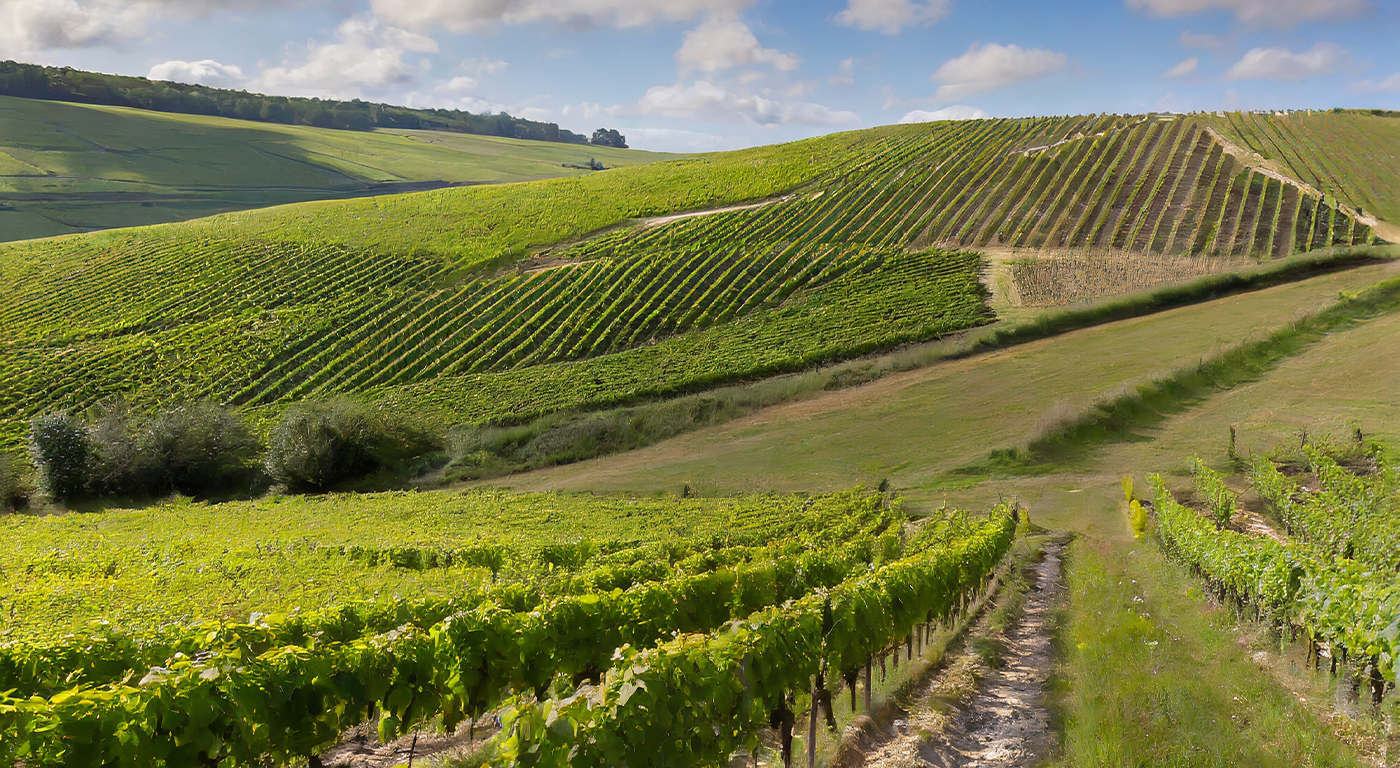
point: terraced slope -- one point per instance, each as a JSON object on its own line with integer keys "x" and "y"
{"x": 444, "y": 299}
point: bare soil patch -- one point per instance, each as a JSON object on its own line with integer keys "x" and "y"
{"x": 361, "y": 748}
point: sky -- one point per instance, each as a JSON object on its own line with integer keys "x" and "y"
{"x": 699, "y": 75}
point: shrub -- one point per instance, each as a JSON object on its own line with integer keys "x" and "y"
{"x": 59, "y": 449}
{"x": 1137, "y": 517}
{"x": 14, "y": 482}
{"x": 193, "y": 448}
{"x": 319, "y": 444}
{"x": 115, "y": 464}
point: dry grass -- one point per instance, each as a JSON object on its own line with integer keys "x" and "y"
{"x": 1069, "y": 279}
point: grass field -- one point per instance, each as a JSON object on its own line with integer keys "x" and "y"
{"x": 73, "y": 168}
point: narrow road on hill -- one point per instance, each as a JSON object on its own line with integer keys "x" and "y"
{"x": 656, "y": 221}
{"x": 1005, "y": 723}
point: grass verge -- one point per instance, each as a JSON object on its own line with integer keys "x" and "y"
{"x": 1063, "y": 445}
{"x": 1156, "y": 677}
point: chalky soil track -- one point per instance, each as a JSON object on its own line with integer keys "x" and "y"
{"x": 1005, "y": 724}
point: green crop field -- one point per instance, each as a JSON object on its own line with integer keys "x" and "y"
{"x": 779, "y": 564}
{"x": 74, "y": 168}
{"x": 1151, "y": 351}
{"x": 174, "y": 563}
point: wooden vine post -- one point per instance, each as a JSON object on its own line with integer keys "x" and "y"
{"x": 868, "y": 686}
{"x": 783, "y": 720}
{"x": 812, "y": 723}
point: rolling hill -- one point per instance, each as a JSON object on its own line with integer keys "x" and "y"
{"x": 73, "y": 168}
{"x": 1097, "y": 334}
{"x": 472, "y": 303}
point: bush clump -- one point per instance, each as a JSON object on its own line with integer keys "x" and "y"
{"x": 60, "y": 450}
{"x": 317, "y": 445}
{"x": 192, "y": 448}
{"x": 14, "y": 482}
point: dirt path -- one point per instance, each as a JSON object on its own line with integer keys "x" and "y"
{"x": 657, "y": 221}
{"x": 1005, "y": 723}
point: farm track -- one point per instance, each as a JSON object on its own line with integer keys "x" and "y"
{"x": 656, "y": 221}
{"x": 1005, "y": 723}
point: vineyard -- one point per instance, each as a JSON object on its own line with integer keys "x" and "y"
{"x": 500, "y": 303}
{"x": 1329, "y": 578}
{"x": 724, "y": 611}
{"x": 1346, "y": 155}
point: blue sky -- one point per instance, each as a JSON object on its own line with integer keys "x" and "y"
{"x": 688, "y": 75}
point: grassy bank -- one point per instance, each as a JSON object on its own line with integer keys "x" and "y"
{"x": 1120, "y": 418}
{"x": 1156, "y": 675}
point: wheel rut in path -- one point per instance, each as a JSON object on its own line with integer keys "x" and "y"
{"x": 1006, "y": 722}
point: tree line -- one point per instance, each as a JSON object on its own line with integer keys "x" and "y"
{"x": 32, "y": 81}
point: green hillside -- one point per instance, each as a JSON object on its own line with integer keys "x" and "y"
{"x": 472, "y": 304}
{"x": 1086, "y": 451}
{"x": 73, "y": 168}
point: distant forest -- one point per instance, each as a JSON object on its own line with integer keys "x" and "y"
{"x": 65, "y": 84}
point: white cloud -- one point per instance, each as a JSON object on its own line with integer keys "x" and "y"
{"x": 457, "y": 86}
{"x": 471, "y": 104}
{"x": 591, "y": 111}
{"x": 484, "y": 66}
{"x": 365, "y": 55}
{"x": 1209, "y": 42}
{"x": 203, "y": 72}
{"x": 457, "y": 93}
{"x": 993, "y": 66}
{"x": 1389, "y": 85}
{"x": 704, "y": 100}
{"x": 473, "y": 15}
{"x": 1275, "y": 13}
{"x": 27, "y": 26}
{"x": 955, "y": 112}
{"x": 889, "y": 16}
{"x": 725, "y": 43}
{"x": 675, "y": 140}
{"x": 1282, "y": 64}
{"x": 801, "y": 88}
{"x": 1186, "y": 67}
{"x": 846, "y": 73}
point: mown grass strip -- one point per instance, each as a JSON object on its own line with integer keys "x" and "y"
{"x": 1149, "y": 404}
{"x": 1154, "y": 677}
